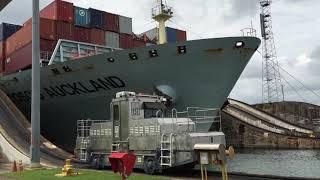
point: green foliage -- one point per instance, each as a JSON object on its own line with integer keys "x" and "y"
{"x": 49, "y": 174}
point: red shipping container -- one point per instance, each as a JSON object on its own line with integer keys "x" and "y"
{"x": 58, "y": 10}
{"x": 47, "y": 45}
{"x": 48, "y": 28}
{"x": 126, "y": 41}
{"x": 18, "y": 40}
{"x": 65, "y": 30}
{"x": 2, "y": 55}
{"x": 24, "y": 35}
{"x": 82, "y": 34}
{"x": 22, "y": 58}
{"x": 138, "y": 43}
{"x": 97, "y": 36}
{"x": 112, "y": 23}
{"x": 181, "y": 35}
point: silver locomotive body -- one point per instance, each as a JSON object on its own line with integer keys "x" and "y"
{"x": 139, "y": 123}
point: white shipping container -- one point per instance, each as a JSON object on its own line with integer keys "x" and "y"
{"x": 152, "y": 34}
{"x": 125, "y": 25}
{"x": 112, "y": 39}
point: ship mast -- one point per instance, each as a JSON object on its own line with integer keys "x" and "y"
{"x": 161, "y": 13}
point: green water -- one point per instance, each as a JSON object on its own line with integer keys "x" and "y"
{"x": 292, "y": 163}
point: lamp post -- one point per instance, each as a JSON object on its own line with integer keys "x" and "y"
{"x": 35, "y": 98}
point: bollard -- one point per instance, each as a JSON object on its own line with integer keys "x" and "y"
{"x": 14, "y": 166}
{"x": 20, "y": 166}
{"x": 67, "y": 170}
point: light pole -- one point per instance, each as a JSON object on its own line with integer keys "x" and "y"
{"x": 35, "y": 98}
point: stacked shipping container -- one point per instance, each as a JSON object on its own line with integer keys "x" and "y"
{"x": 58, "y": 10}
{"x": 2, "y": 55}
{"x": 62, "y": 20}
{"x": 6, "y": 30}
{"x": 173, "y": 35}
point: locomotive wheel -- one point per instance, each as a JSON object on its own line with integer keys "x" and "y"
{"x": 97, "y": 162}
{"x": 149, "y": 165}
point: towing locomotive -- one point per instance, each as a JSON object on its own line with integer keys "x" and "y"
{"x": 160, "y": 137}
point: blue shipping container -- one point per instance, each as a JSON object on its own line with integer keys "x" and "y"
{"x": 6, "y": 30}
{"x": 97, "y": 19}
{"x": 171, "y": 35}
{"x": 81, "y": 16}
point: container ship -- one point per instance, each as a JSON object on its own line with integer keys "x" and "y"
{"x": 88, "y": 55}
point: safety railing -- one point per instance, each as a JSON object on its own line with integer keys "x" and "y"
{"x": 66, "y": 50}
{"x": 249, "y": 32}
{"x": 83, "y": 137}
{"x": 161, "y": 10}
{"x": 196, "y": 118}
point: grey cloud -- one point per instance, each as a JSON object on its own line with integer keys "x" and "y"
{"x": 241, "y": 8}
{"x": 18, "y": 11}
{"x": 316, "y": 53}
{"x": 314, "y": 66}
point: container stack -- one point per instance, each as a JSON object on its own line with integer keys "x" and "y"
{"x": 6, "y": 30}
{"x": 142, "y": 41}
{"x": 63, "y": 20}
{"x": 173, "y": 35}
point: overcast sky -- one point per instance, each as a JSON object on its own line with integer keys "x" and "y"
{"x": 296, "y": 26}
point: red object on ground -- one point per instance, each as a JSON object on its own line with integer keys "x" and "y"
{"x": 65, "y": 30}
{"x": 14, "y": 166}
{"x": 112, "y": 22}
{"x": 97, "y": 36}
{"x": 22, "y": 58}
{"x": 58, "y": 10}
{"x": 181, "y": 35}
{"x": 126, "y": 41}
{"x": 2, "y": 55}
{"x": 82, "y": 34}
{"x": 122, "y": 163}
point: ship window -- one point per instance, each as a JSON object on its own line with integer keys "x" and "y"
{"x": 133, "y": 56}
{"x": 182, "y": 49}
{"x": 116, "y": 112}
{"x": 153, "y": 53}
{"x": 111, "y": 60}
{"x": 239, "y": 44}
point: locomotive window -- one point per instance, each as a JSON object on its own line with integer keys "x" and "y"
{"x": 135, "y": 109}
{"x": 116, "y": 112}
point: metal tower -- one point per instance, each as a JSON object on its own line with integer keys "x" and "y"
{"x": 161, "y": 13}
{"x": 271, "y": 80}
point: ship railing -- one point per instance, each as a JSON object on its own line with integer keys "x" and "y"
{"x": 44, "y": 58}
{"x": 249, "y": 32}
{"x": 161, "y": 9}
{"x": 66, "y": 50}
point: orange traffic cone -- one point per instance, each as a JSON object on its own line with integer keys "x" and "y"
{"x": 20, "y": 166}
{"x": 14, "y": 166}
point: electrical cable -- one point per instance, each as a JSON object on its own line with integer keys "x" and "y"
{"x": 282, "y": 77}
